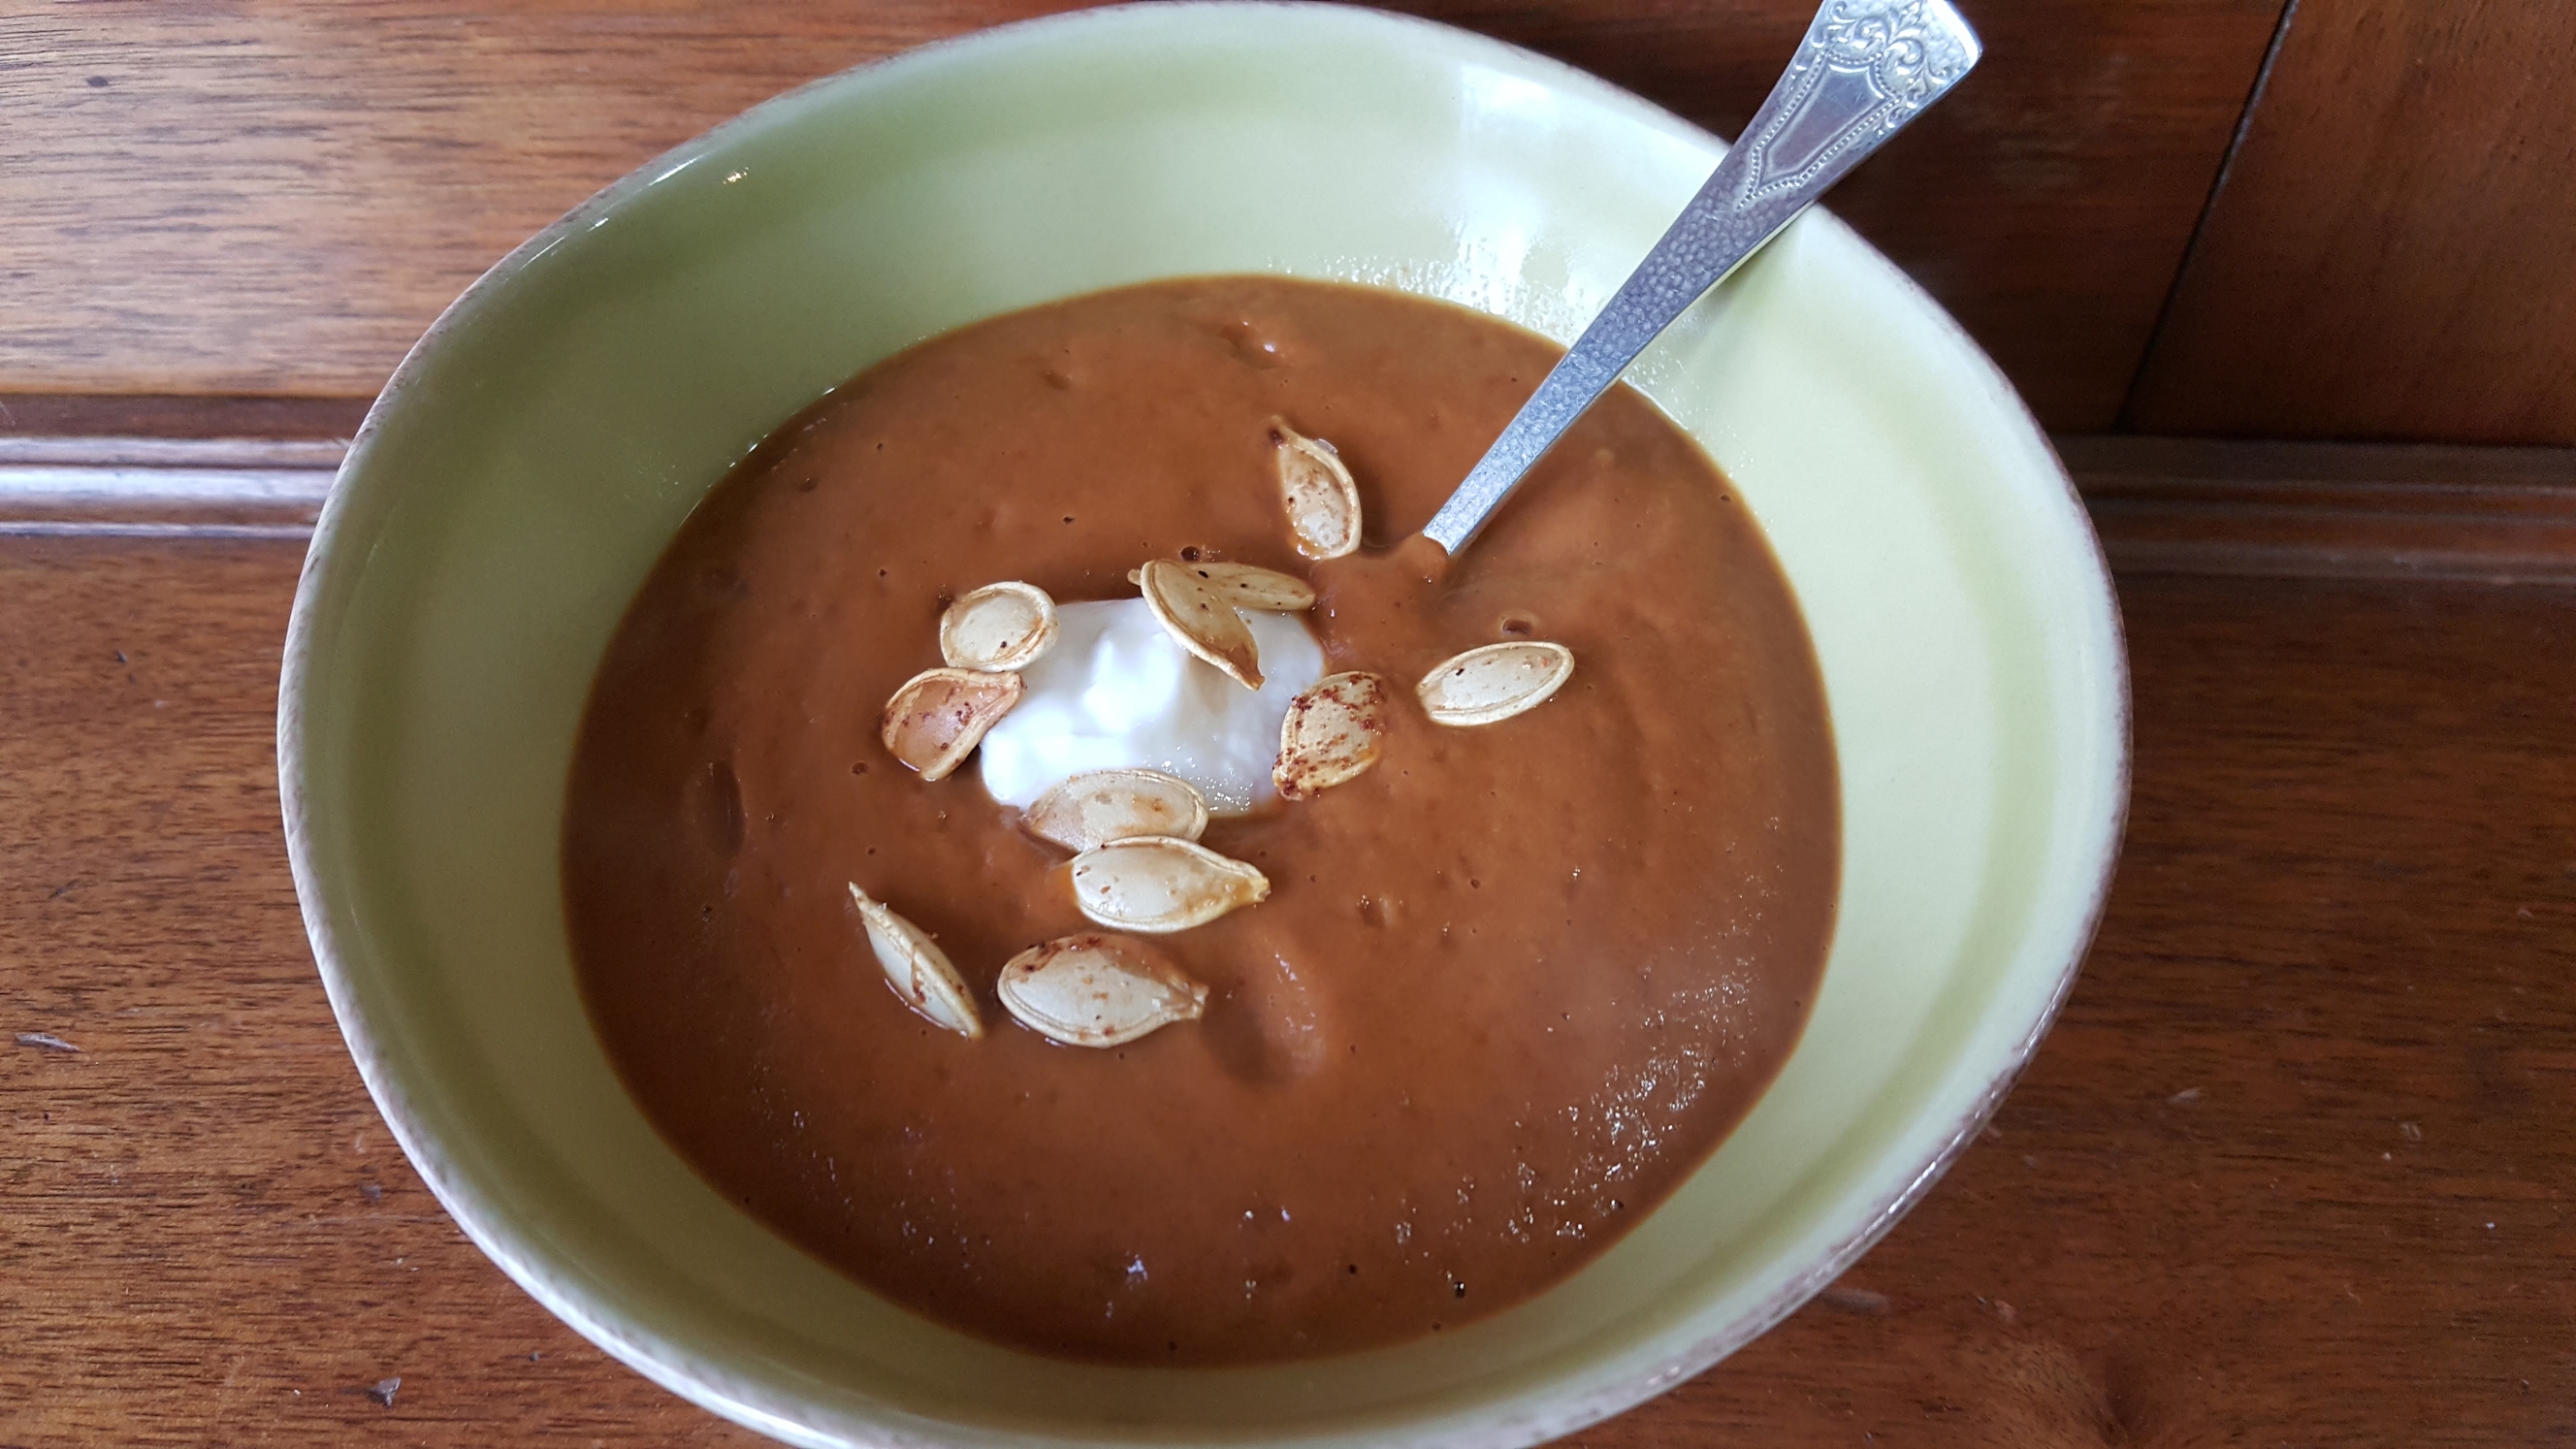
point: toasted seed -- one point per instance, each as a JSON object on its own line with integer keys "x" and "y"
{"x": 1155, "y": 884}
{"x": 1323, "y": 503}
{"x": 1249, "y": 586}
{"x": 917, "y": 970}
{"x": 1495, "y": 682}
{"x": 1202, "y": 620}
{"x": 1097, "y": 991}
{"x": 1099, "y": 806}
{"x": 1331, "y": 734}
{"x": 935, "y": 721}
{"x": 1003, "y": 626}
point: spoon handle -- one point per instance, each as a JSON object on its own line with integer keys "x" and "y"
{"x": 1866, "y": 68}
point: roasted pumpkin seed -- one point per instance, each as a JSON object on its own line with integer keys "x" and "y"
{"x": 998, "y": 627}
{"x": 1097, "y": 991}
{"x": 935, "y": 721}
{"x": 1250, "y": 586}
{"x": 917, "y": 970}
{"x": 1156, "y": 884}
{"x": 1099, "y": 806}
{"x": 1495, "y": 682}
{"x": 1315, "y": 487}
{"x": 1331, "y": 734}
{"x": 1201, "y": 619}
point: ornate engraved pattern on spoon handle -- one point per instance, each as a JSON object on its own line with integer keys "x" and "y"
{"x": 1866, "y": 68}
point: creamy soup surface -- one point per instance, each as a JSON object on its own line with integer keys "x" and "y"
{"x": 1509, "y": 988}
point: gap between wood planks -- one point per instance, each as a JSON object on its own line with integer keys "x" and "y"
{"x": 2161, "y": 505}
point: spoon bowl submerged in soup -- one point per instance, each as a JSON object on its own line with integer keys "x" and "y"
{"x": 1509, "y": 984}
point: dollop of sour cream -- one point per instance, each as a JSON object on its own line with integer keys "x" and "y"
{"x": 1118, "y": 691}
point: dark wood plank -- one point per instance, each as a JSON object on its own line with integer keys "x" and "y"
{"x": 2293, "y": 1167}
{"x": 2161, "y": 505}
{"x": 2330, "y": 510}
{"x": 2046, "y": 202}
{"x": 209, "y": 1235}
{"x": 148, "y": 415}
{"x": 2390, "y": 255}
{"x": 275, "y": 200}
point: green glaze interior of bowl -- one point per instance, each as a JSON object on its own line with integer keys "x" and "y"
{"x": 535, "y": 453}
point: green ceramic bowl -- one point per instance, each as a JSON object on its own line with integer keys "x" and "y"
{"x": 535, "y": 452}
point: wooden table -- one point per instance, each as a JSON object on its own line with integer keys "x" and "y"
{"x": 2294, "y": 1167}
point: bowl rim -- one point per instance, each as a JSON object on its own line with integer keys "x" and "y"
{"x": 1541, "y": 1412}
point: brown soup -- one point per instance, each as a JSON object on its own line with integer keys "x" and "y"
{"x": 1510, "y": 987}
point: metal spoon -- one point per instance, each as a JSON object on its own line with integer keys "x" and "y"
{"x": 1866, "y": 69}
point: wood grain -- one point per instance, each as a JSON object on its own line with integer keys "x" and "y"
{"x": 2330, "y": 510}
{"x": 163, "y": 415}
{"x": 274, "y": 199}
{"x": 2293, "y": 1167}
{"x": 2160, "y": 505}
{"x": 2390, "y": 255}
{"x": 143, "y": 487}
